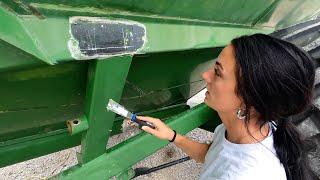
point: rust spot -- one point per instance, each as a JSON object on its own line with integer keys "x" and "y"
{"x": 35, "y": 12}
{"x": 27, "y": 8}
{"x": 169, "y": 154}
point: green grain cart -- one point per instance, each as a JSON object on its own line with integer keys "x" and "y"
{"x": 60, "y": 62}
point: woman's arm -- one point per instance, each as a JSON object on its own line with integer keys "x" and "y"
{"x": 195, "y": 150}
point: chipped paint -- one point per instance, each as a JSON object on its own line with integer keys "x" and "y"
{"x": 98, "y": 38}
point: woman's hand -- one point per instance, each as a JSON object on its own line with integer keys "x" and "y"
{"x": 162, "y": 131}
{"x": 194, "y": 149}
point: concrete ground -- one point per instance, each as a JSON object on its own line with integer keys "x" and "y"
{"x": 49, "y": 165}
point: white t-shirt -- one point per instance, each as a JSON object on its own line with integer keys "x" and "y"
{"x": 226, "y": 160}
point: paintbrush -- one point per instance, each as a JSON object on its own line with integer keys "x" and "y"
{"x": 120, "y": 110}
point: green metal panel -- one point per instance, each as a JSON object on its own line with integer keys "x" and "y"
{"x": 40, "y": 99}
{"x": 169, "y": 77}
{"x": 124, "y": 155}
{"x": 17, "y": 150}
{"x": 15, "y": 59}
{"x": 50, "y": 95}
{"x": 49, "y": 36}
{"x": 52, "y": 35}
{"x": 106, "y": 81}
{"x": 208, "y": 23}
{"x": 232, "y": 11}
{"x": 210, "y": 10}
{"x": 44, "y": 28}
{"x": 13, "y": 32}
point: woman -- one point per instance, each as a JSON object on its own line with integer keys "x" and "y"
{"x": 256, "y": 83}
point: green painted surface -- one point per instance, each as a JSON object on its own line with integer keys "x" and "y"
{"x": 124, "y": 155}
{"x": 42, "y": 86}
{"x": 34, "y": 146}
{"x": 48, "y": 38}
{"x": 15, "y": 59}
{"x": 106, "y": 81}
{"x": 42, "y": 27}
{"x": 173, "y": 77}
{"x": 127, "y": 174}
{"x": 42, "y": 98}
{"x": 232, "y": 11}
{"x": 44, "y": 143}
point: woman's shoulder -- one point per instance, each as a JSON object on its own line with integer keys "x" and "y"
{"x": 218, "y": 133}
{"x": 219, "y": 129}
{"x": 241, "y": 171}
{"x": 265, "y": 173}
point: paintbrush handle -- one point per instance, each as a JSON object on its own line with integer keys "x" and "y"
{"x": 141, "y": 122}
{"x": 144, "y": 123}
